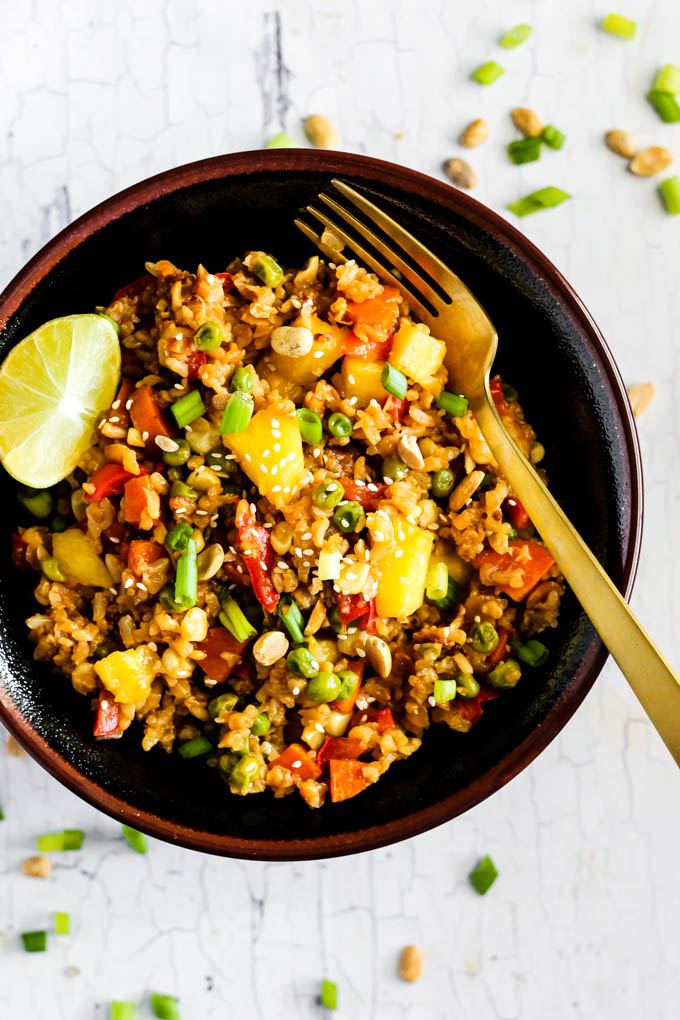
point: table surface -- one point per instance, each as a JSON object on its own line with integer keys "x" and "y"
{"x": 97, "y": 96}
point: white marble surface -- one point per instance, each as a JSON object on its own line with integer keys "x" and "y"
{"x": 583, "y": 920}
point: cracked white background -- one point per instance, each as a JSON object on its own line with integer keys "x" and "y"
{"x": 583, "y": 921}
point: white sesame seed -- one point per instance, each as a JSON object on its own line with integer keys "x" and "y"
{"x": 128, "y": 404}
{"x": 296, "y": 764}
{"x": 114, "y": 540}
{"x": 361, "y": 653}
{"x": 114, "y": 591}
{"x": 145, "y": 436}
{"x": 431, "y": 701}
{"x": 266, "y": 453}
{"x": 316, "y": 452}
{"x": 128, "y": 583}
{"x": 275, "y": 424}
{"x": 277, "y": 447}
{"x": 276, "y": 433}
{"x": 296, "y": 690}
{"x": 264, "y": 470}
{"x": 166, "y": 444}
{"x": 142, "y": 586}
{"x": 208, "y": 682}
{"x": 286, "y": 488}
{"x": 388, "y": 480}
{"x": 307, "y": 535}
{"x": 282, "y": 564}
{"x": 372, "y": 487}
{"x": 202, "y": 513}
{"x": 318, "y": 354}
{"x": 178, "y": 386}
{"x": 115, "y": 404}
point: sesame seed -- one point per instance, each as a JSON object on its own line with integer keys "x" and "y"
{"x": 114, "y": 591}
{"x": 431, "y": 701}
{"x": 316, "y": 452}
{"x": 318, "y": 354}
{"x": 478, "y": 619}
{"x": 239, "y": 568}
{"x": 277, "y": 447}
{"x": 275, "y": 469}
{"x": 128, "y": 404}
{"x": 372, "y": 487}
{"x": 282, "y": 564}
{"x": 286, "y": 488}
{"x": 319, "y": 727}
{"x": 202, "y": 513}
{"x": 208, "y": 682}
{"x": 275, "y": 424}
{"x": 167, "y": 444}
{"x": 276, "y": 488}
{"x": 307, "y": 535}
{"x": 128, "y": 583}
{"x": 361, "y": 653}
{"x": 115, "y": 540}
{"x": 178, "y": 386}
{"x": 352, "y": 401}
{"x": 142, "y": 586}
{"x": 115, "y": 404}
{"x": 264, "y": 470}
{"x": 351, "y": 379}
{"x": 296, "y": 764}
{"x": 276, "y": 433}
{"x": 308, "y": 552}
{"x": 153, "y": 646}
{"x": 296, "y": 690}
{"x": 266, "y": 453}
{"x": 389, "y": 480}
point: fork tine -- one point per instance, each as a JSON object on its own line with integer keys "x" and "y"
{"x": 418, "y": 282}
{"x": 371, "y": 261}
{"x": 315, "y": 238}
{"x": 422, "y": 255}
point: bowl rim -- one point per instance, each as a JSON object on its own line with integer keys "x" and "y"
{"x": 404, "y": 179}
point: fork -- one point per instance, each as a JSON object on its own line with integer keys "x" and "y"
{"x": 453, "y": 314}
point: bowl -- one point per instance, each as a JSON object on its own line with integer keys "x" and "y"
{"x": 550, "y": 349}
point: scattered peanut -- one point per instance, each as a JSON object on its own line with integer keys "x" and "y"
{"x": 641, "y": 396}
{"x": 14, "y": 748}
{"x": 321, "y": 132}
{"x": 474, "y": 134}
{"x": 210, "y": 561}
{"x": 411, "y": 963}
{"x": 281, "y": 537}
{"x": 461, "y": 173}
{"x": 650, "y": 161}
{"x": 270, "y": 647}
{"x": 37, "y": 867}
{"x": 537, "y": 453}
{"x": 409, "y": 451}
{"x": 623, "y": 143}
{"x": 292, "y": 341}
{"x": 465, "y": 490}
{"x": 526, "y": 121}
{"x": 378, "y": 654}
{"x": 194, "y": 625}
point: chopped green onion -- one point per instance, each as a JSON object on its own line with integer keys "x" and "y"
{"x": 339, "y": 425}
{"x": 444, "y": 690}
{"x": 329, "y": 565}
{"x": 164, "y": 1006}
{"x": 617, "y": 25}
{"x": 237, "y": 414}
{"x": 38, "y": 502}
{"x": 2, "y": 815}
{"x": 665, "y": 105}
{"x": 122, "y": 1011}
{"x": 193, "y": 749}
{"x": 311, "y": 428}
{"x": 670, "y": 193}
{"x": 329, "y": 994}
{"x": 487, "y": 74}
{"x": 552, "y": 137}
{"x": 51, "y": 569}
{"x": 515, "y": 36}
{"x": 292, "y": 619}
{"x": 135, "y": 840}
{"x": 269, "y": 271}
{"x": 34, "y": 941}
{"x": 188, "y": 408}
{"x": 281, "y": 141}
{"x": 544, "y": 198}
{"x": 451, "y": 598}
{"x": 534, "y": 652}
{"x": 62, "y": 923}
{"x": 668, "y": 80}
{"x": 178, "y": 537}
{"x": 116, "y": 325}
{"x": 222, "y": 703}
{"x": 68, "y": 839}
{"x": 242, "y": 379}
{"x": 261, "y": 725}
{"x": 233, "y": 618}
{"x": 186, "y": 578}
{"x": 394, "y": 381}
{"x": 209, "y": 336}
{"x": 525, "y": 150}
{"x": 73, "y": 839}
{"x": 484, "y": 875}
{"x": 437, "y": 581}
{"x": 454, "y": 404}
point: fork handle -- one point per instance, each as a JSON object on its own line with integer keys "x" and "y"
{"x": 655, "y": 684}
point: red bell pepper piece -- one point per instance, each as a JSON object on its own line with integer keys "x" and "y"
{"x": 222, "y": 653}
{"x": 346, "y": 779}
{"x": 107, "y": 719}
{"x": 396, "y": 408}
{"x": 148, "y": 418}
{"x": 227, "y": 281}
{"x": 140, "y": 500}
{"x": 471, "y": 708}
{"x": 257, "y": 554}
{"x": 298, "y": 760}
{"x": 141, "y": 553}
{"x": 134, "y": 288}
{"x": 368, "y": 498}
{"x": 340, "y": 747}
{"x": 382, "y": 716}
{"x": 18, "y": 553}
{"x": 368, "y": 350}
{"x": 531, "y": 558}
{"x": 195, "y": 361}
{"x": 516, "y": 513}
{"x": 496, "y": 387}
{"x": 347, "y": 705}
{"x": 501, "y": 649}
{"x": 108, "y": 480}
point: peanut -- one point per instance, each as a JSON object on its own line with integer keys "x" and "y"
{"x": 474, "y": 134}
{"x": 641, "y": 396}
{"x": 321, "y": 132}
{"x": 650, "y": 161}
{"x": 37, "y": 867}
{"x": 623, "y": 143}
{"x": 461, "y": 173}
{"x": 411, "y": 963}
{"x": 526, "y": 121}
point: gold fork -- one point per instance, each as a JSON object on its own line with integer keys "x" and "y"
{"x": 459, "y": 319}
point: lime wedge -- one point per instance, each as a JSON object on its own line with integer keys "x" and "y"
{"x": 52, "y": 387}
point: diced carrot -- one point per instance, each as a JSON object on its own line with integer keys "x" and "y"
{"x": 382, "y": 716}
{"x": 339, "y": 747}
{"x": 148, "y": 418}
{"x": 367, "y": 348}
{"x": 297, "y": 759}
{"x": 346, "y": 706}
{"x": 374, "y": 318}
{"x": 222, "y": 653}
{"x": 141, "y": 553}
{"x": 531, "y": 558}
{"x": 141, "y": 504}
{"x": 347, "y": 779}
{"x": 501, "y": 649}
{"x": 119, "y": 414}
{"x": 107, "y": 719}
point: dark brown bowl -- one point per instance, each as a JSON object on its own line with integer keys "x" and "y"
{"x": 550, "y": 348}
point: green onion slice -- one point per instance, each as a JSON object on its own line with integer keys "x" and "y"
{"x": 34, "y": 941}
{"x": 237, "y": 413}
{"x": 186, "y": 578}
{"x": 135, "y": 840}
{"x": 552, "y": 137}
{"x": 394, "y": 381}
{"x": 329, "y": 994}
{"x": 311, "y": 427}
{"x": 292, "y": 619}
{"x": 668, "y": 79}
{"x": 164, "y": 1006}
{"x": 192, "y": 749}
{"x": 178, "y": 537}
{"x": 544, "y": 198}
{"x": 281, "y": 141}
{"x": 515, "y": 36}
{"x": 122, "y": 1011}
{"x": 444, "y": 690}
{"x": 665, "y": 105}
{"x": 670, "y": 194}
{"x": 454, "y": 404}
{"x": 188, "y": 408}
{"x": 237, "y": 623}
{"x": 437, "y": 581}
{"x": 617, "y": 25}
{"x": 488, "y": 73}
{"x": 524, "y": 150}
{"x": 68, "y": 839}
{"x": 62, "y": 923}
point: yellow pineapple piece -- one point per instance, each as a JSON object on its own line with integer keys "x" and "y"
{"x": 78, "y": 558}
{"x": 128, "y": 675}
{"x": 270, "y": 452}
{"x": 417, "y": 354}
{"x": 401, "y": 563}
{"x": 362, "y": 379}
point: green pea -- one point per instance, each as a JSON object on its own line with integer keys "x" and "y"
{"x": 467, "y": 686}
{"x": 488, "y": 481}
{"x": 509, "y": 392}
{"x": 269, "y": 271}
{"x": 323, "y": 687}
{"x": 301, "y": 662}
{"x": 226, "y": 763}
{"x": 393, "y": 469}
{"x": 166, "y": 597}
{"x": 443, "y": 483}
{"x": 222, "y": 703}
{"x": 182, "y": 490}
{"x": 349, "y": 517}
{"x": 175, "y": 474}
{"x": 348, "y": 684}
{"x": 505, "y": 675}
{"x": 245, "y": 771}
{"x": 242, "y": 379}
{"x": 261, "y": 725}
{"x": 51, "y": 569}
{"x": 483, "y": 637}
{"x": 209, "y": 336}
{"x": 339, "y": 425}
{"x": 174, "y": 458}
{"x": 221, "y": 461}
{"x": 103, "y": 649}
{"x": 328, "y": 494}
{"x": 59, "y": 523}
{"x": 38, "y": 502}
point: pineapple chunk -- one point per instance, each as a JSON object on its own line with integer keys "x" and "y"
{"x": 78, "y": 559}
{"x": 417, "y": 354}
{"x": 128, "y": 675}
{"x": 276, "y": 472}
{"x": 402, "y": 566}
{"x": 329, "y": 345}
{"x": 458, "y": 569}
{"x": 363, "y": 380}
